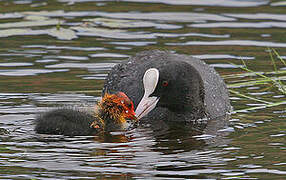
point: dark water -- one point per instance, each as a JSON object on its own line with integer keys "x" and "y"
{"x": 59, "y": 52}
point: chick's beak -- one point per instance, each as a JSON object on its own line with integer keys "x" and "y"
{"x": 130, "y": 115}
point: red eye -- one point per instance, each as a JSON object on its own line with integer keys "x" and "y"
{"x": 165, "y": 83}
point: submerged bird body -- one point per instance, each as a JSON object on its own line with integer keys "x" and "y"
{"x": 186, "y": 88}
{"x": 110, "y": 114}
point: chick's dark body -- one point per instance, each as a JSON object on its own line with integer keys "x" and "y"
{"x": 66, "y": 121}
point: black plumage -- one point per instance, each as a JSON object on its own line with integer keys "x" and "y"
{"x": 195, "y": 90}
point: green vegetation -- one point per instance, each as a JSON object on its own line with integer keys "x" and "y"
{"x": 274, "y": 79}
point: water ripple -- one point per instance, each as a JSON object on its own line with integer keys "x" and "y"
{"x": 123, "y": 23}
{"x": 160, "y": 16}
{"x": 15, "y": 64}
{"x": 228, "y": 3}
{"x": 261, "y": 16}
{"x": 222, "y": 56}
{"x": 133, "y": 43}
{"x": 28, "y": 72}
{"x": 231, "y": 43}
{"x": 99, "y": 66}
{"x": 241, "y": 25}
{"x": 168, "y": 16}
{"x": 108, "y": 55}
{"x": 66, "y": 47}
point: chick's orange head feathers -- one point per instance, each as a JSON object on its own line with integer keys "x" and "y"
{"x": 122, "y": 103}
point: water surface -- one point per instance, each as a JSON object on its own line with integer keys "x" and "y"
{"x": 59, "y": 52}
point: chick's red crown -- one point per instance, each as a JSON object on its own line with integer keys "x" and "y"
{"x": 119, "y": 105}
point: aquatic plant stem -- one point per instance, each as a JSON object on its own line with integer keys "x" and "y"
{"x": 279, "y": 84}
{"x": 279, "y": 57}
{"x": 260, "y": 107}
{"x": 276, "y": 81}
{"x": 248, "y": 97}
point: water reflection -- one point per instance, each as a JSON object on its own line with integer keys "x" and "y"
{"x": 131, "y": 152}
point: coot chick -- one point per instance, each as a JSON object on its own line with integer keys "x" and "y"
{"x": 110, "y": 114}
{"x": 171, "y": 87}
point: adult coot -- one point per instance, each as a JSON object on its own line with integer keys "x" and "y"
{"x": 110, "y": 114}
{"x": 169, "y": 86}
